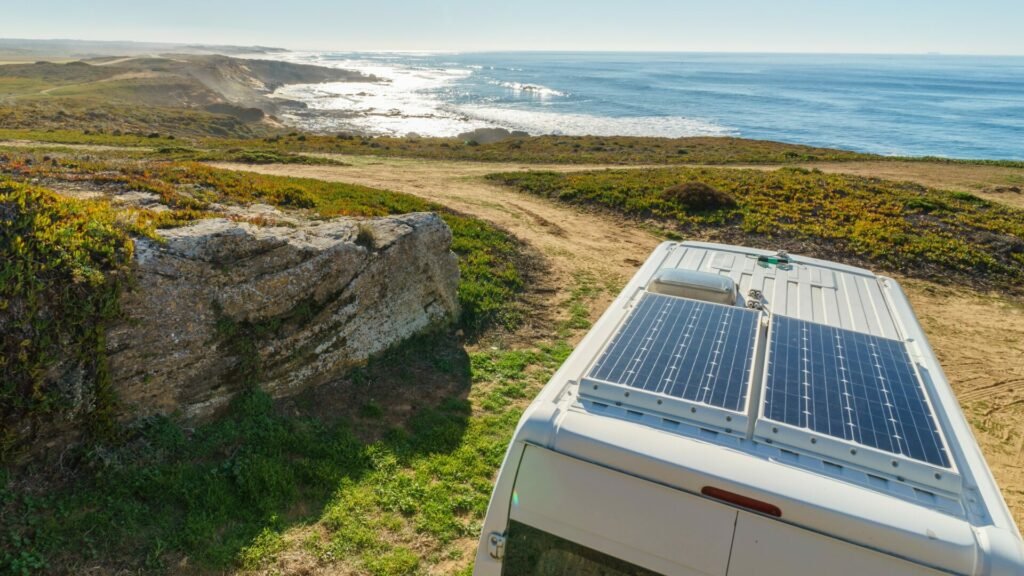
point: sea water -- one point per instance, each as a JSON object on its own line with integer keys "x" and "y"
{"x": 953, "y": 106}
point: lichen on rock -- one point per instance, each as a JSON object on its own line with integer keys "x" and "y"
{"x": 221, "y": 304}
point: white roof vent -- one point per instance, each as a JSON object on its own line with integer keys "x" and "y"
{"x": 695, "y": 285}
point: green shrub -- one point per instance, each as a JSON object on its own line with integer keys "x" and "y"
{"x": 295, "y": 197}
{"x": 926, "y": 204}
{"x": 62, "y": 263}
{"x": 969, "y": 198}
{"x": 365, "y": 237}
{"x": 258, "y": 157}
{"x": 698, "y": 196}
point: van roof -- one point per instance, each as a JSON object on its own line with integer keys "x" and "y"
{"x": 631, "y": 398}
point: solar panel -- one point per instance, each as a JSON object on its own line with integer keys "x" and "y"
{"x": 849, "y": 385}
{"x": 687, "y": 349}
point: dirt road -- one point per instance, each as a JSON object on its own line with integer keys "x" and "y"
{"x": 978, "y": 338}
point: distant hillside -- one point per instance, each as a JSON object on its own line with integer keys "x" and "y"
{"x": 144, "y": 93}
{"x": 16, "y": 49}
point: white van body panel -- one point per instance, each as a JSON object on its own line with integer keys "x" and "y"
{"x": 621, "y": 515}
{"x": 762, "y": 547}
{"x": 872, "y": 518}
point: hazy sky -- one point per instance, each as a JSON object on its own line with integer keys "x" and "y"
{"x": 894, "y": 26}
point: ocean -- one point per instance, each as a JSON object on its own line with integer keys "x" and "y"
{"x": 928, "y": 105}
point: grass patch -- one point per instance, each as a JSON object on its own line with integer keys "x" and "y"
{"x": 895, "y": 226}
{"x": 13, "y": 76}
{"x": 260, "y": 157}
{"x": 578, "y": 305}
{"x": 180, "y": 153}
{"x": 231, "y": 493}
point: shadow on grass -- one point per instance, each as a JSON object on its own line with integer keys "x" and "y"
{"x": 199, "y": 498}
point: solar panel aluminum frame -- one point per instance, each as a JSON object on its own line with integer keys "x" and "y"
{"x": 847, "y": 453}
{"x": 698, "y": 414}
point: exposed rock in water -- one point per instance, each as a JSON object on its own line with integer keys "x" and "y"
{"x": 490, "y": 135}
{"x": 223, "y": 304}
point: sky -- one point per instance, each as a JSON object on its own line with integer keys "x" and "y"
{"x": 860, "y": 26}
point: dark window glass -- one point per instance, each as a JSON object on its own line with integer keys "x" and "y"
{"x": 529, "y": 551}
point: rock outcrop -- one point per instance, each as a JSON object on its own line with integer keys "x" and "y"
{"x": 490, "y": 135}
{"x": 223, "y": 304}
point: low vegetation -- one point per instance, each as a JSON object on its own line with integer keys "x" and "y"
{"x": 563, "y": 149}
{"x": 624, "y": 150}
{"x": 63, "y": 261}
{"x": 100, "y": 122}
{"x": 208, "y": 133}
{"x": 902, "y": 227}
{"x": 161, "y": 148}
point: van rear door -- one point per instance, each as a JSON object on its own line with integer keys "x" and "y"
{"x": 765, "y": 547}
{"x": 596, "y": 520}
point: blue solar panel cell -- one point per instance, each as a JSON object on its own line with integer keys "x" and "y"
{"x": 850, "y": 385}
{"x": 686, "y": 349}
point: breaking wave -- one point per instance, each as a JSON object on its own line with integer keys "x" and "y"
{"x": 430, "y": 98}
{"x": 543, "y": 122}
{"x": 534, "y": 89}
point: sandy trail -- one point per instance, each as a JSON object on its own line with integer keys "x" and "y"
{"x": 978, "y": 338}
{"x": 83, "y": 147}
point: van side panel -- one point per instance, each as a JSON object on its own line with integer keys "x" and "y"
{"x": 647, "y": 524}
{"x": 764, "y": 547}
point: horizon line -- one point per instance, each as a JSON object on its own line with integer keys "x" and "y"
{"x": 525, "y": 50}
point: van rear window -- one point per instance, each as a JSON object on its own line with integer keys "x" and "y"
{"x": 529, "y": 551}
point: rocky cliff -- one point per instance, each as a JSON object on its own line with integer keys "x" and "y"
{"x": 223, "y": 304}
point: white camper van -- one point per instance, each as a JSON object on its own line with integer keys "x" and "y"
{"x": 740, "y": 412}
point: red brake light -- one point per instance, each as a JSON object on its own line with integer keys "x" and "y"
{"x": 741, "y": 501}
